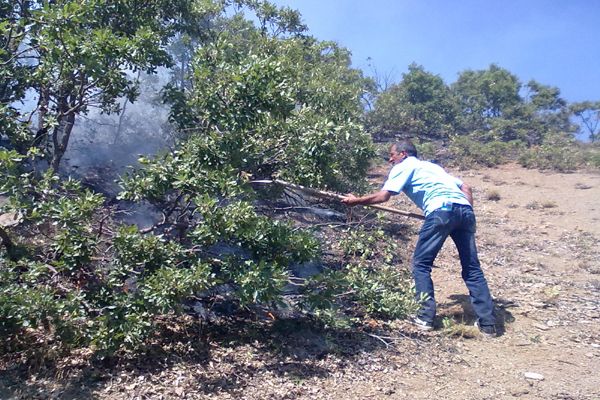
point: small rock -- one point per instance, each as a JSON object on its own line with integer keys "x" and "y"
{"x": 541, "y": 327}
{"x": 10, "y": 219}
{"x": 534, "y": 376}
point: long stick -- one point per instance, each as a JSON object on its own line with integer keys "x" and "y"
{"x": 335, "y": 196}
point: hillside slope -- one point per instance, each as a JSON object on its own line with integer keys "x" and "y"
{"x": 538, "y": 235}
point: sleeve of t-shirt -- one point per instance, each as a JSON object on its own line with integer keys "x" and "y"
{"x": 397, "y": 178}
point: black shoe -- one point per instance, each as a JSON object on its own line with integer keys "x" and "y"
{"x": 487, "y": 330}
{"x": 422, "y": 325}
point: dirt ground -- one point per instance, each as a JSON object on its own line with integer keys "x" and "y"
{"x": 538, "y": 237}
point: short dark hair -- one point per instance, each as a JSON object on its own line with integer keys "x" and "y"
{"x": 407, "y": 146}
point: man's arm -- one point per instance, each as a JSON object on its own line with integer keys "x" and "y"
{"x": 466, "y": 189}
{"x": 374, "y": 198}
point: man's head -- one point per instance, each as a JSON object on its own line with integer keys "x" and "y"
{"x": 401, "y": 150}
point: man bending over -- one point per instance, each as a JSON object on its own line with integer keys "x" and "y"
{"x": 447, "y": 203}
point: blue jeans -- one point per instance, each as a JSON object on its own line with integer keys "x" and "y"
{"x": 458, "y": 223}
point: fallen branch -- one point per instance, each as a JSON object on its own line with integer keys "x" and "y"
{"x": 379, "y": 338}
{"x": 335, "y": 196}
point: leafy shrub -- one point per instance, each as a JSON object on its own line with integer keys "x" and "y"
{"x": 44, "y": 288}
{"x": 427, "y": 150}
{"x": 361, "y": 243}
{"x": 85, "y": 286}
{"x": 591, "y": 154}
{"x": 593, "y": 159}
{"x": 381, "y": 286}
{"x": 290, "y": 108}
{"x": 382, "y": 290}
{"x": 29, "y": 301}
{"x": 257, "y": 106}
{"x": 468, "y": 152}
{"x": 558, "y": 152}
{"x": 371, "y": 282}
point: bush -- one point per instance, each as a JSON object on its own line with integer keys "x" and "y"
{"x": 493, "y": 195}
{"x": 558, "y": 152}
{"x": 382, "y": 286}
{"x": 371, "y": 282}
{"x": 427, "y": 150}
{"x": 383, "y": 291}
{"x": 591, "y": 155}
{"x": 45, "y": 288}
{"x": 468, "y": 152}
{"x": 258, "y": 107}
{"x": 82, "y": 285}
{"x": 289, "y": 108}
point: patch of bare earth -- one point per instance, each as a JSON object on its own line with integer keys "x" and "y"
{"x": 538, "y": 236}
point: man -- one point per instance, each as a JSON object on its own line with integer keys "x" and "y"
{"x": 447, "y": 204}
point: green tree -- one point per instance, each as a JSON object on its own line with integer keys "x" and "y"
{"x": 420, "y": 106}
{"x": 82, "y": 54}
{"x": 259, "y": 102}
{"x": 485, "y": 95}
{"x": 540, "y": 113}
{"x": 588, "y": 113}
{"x": 546, "y": 111}
{"x": 84, "y": 50}
{"x": 289, "y": 106}
{"x": 14, "y": 67}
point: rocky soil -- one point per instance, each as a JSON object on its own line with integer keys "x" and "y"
{"x": 538, "y": 236}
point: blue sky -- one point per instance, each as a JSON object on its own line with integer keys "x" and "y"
{"x": 556, "y": 42}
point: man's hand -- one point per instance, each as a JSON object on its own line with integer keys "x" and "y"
{"x": 349, "y": 199}
{"x": 466, "y": 189}
{"x": 373, "y": 198}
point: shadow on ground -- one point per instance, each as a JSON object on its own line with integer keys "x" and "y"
{"x": 289, "y": 348}
{"x": 461, "y": 311}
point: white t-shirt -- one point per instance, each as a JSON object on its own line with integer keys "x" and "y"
{"x": 425, "y": 183}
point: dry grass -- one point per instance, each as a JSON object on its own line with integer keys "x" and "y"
{"x": 455, "y": 329}
{"x": 549, "y": 204}
{"x": 493, "y": 195}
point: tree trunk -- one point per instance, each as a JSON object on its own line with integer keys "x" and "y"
{"x": 41, "y": 136}
{"x": 7, "y": 243}
{"x": 60, "y": 139}
{"x": 120, "y": 125}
